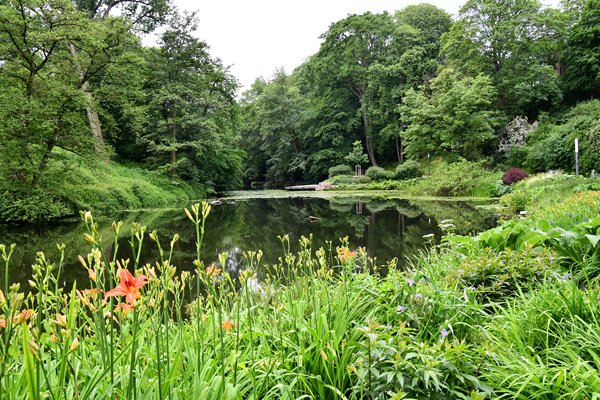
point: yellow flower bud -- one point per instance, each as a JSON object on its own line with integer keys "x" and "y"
{"x": 74, "y": 344}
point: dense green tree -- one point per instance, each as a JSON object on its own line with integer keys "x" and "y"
{"x": 123, "y": 15}
{"x": 366, "y": 63}
{"x": 40, "y": 99}
{"x": 192, "y": 117}
{"x": 582, "y": 56}
{"x": 351, "y": 48}
{"x": 455, "y": 116}
{"x": 331, "y": 125}
{"x": 501, "y": 39}
{"x": 255, "y": 163}
{"x": 144, "y": 15}
{"x": 274, "y": 114}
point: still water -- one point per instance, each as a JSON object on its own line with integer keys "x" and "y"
{"x": 386, "y": 228}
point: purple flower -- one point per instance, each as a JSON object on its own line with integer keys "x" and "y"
{"x": 566, "y": 276}
{"x": 400, "y": 309}
{"x": 444, "y": 333}
{"x": 410, "y": 281}
{"x": 418, "y": 296}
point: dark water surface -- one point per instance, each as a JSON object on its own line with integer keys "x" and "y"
{"x": 386, "y": 228}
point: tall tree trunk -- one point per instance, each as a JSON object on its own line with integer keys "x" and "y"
{"x": 24, "y": 148}
{"x": 399, "y": 149}
{"x": 173, "y": 139}
{"x": 50, "y": 143}
{"x": 368, "y": 136}
{"x": 90, "y": 108}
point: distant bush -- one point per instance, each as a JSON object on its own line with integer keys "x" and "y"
{"x": 408, "y": 170}
{"x": 348, "y": 180}
{"x": 502, "y": 188}
{"x": 379, "y": 174}
{"x": 513, "y": 175}
{"x": 340, "y": 170}
{"x": 463, "y": 178}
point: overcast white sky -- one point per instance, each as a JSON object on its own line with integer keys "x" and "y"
{"x": 255, "y": 37}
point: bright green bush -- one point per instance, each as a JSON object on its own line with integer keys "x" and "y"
{"x": 35, "y": 206}
{"x": 340, "y": 170}
{"x": 408, "y": 170}
{"x": 494, "y": 275}
{"x": 348, "y": 180}
{"x": 378, "y": 173}
{"x": 462, "y": 178}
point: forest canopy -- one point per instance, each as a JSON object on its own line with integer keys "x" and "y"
{"x": 383, "y": 88}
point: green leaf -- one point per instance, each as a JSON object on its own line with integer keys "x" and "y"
{"x": 594, "y": 239}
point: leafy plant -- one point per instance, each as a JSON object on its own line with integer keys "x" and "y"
{"x": 378, "y": 173}
{"x": 513, "y": 175}
{"x": 357, "y": 155}
{"x": 408, "y": 170}
{"x": 494, "y": 275}
{"x": 340, "y": 170}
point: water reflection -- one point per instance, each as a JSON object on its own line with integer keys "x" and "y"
{"x": 386, "y": 228}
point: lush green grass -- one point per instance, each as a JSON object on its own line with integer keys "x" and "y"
{"x": 467, "y": 319}
{"x": 74, "y": 183}
{"x": 461, "y": 178}
{"x": 543, "y": 195}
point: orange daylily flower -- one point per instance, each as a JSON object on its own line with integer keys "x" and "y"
{"x": 128, "y": 286}
{"x": 213, "y": 270}
{"x": 228, "y": 325}
{"x": 344, "y": 254}
{"x": 18, "y": 318}
{"x": 123, "y": 308}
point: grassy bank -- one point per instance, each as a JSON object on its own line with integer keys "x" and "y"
{"x": 510, "y": 313}
{"x": 75, "y": 183}
{"x": 458, "y": 179}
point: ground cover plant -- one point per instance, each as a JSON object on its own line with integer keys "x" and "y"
{"x": 474, "y": 317}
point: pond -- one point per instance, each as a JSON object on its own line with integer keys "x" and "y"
{"x": 386, "y": 227}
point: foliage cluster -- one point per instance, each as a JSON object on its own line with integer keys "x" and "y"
{"x": 539, "y": 193}
{"x": 408, "y": 170}
{"x": 75, "y": 77}
{"x": 340, "y": 170}
{"x": 513, "y": 175}
{"x": 508, "y": 82}
{"x": 463, "y": 178}
{"x": 494, "y": 276}
{"x": 551, "y": 146}
{"x": 94, "y": 184}
{"x": 378, "y": 174}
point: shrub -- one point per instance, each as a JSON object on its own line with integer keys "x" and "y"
{"x": 513, "y": 175}
{"x": 378, "y": 174}
{"x": 348, "y": 180}
{"x": 340, "y": 170}
{"x": 408, "y": 170}
{"x": 463, "y": 178}
{"x": 34, "y": 206}
{"x": 502, "y": 189}
{"x": 494, "y": 275}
